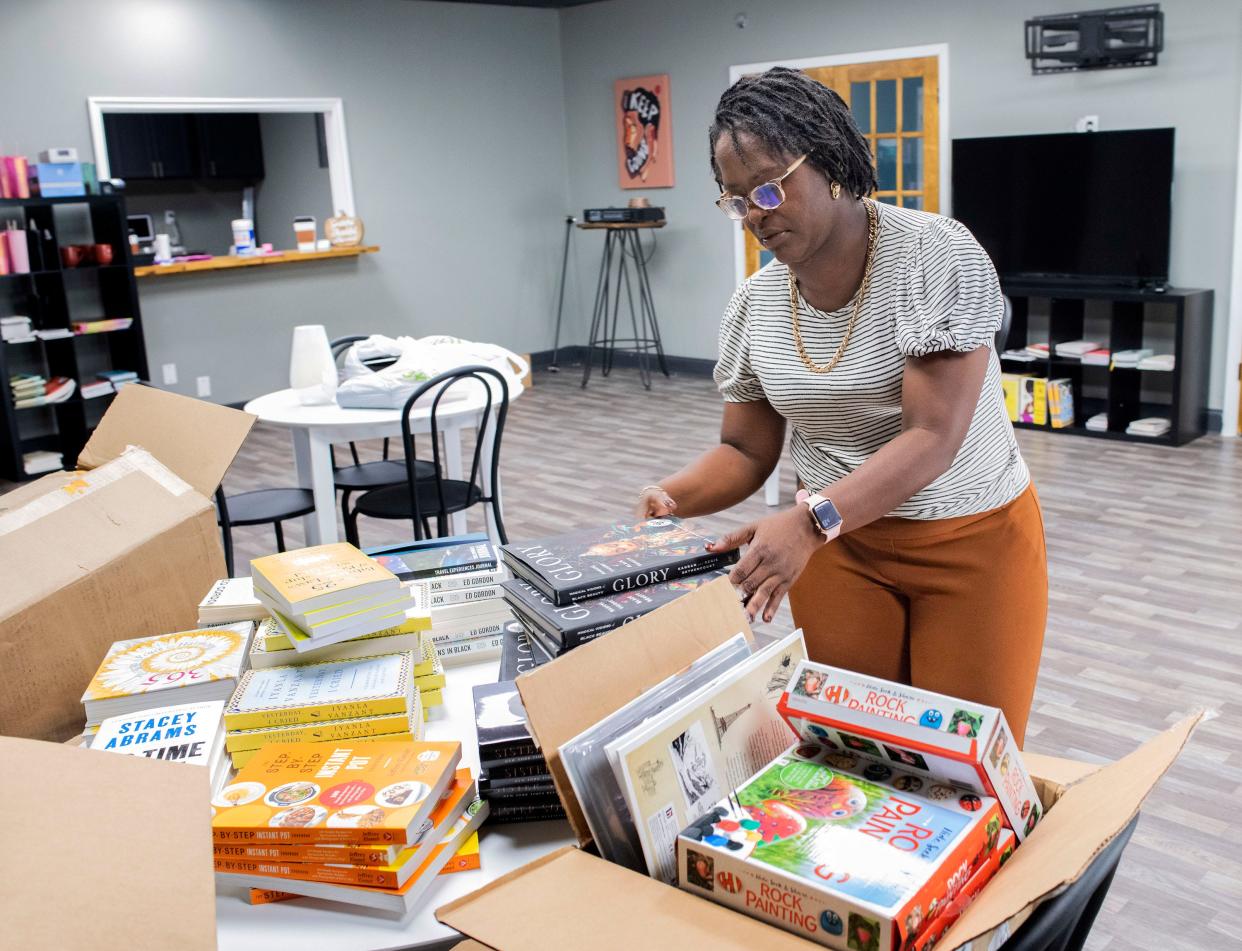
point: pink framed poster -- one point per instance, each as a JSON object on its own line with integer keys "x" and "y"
{"x": 644, "y": 132}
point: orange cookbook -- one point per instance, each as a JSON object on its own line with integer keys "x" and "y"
{"x": 354, "y": 793}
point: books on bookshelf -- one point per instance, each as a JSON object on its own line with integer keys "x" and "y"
{"x": 677, "y": 763}
{"x": 1151, "y": 427}
{"x": 1097, "y": 358}
{"x": 43, "y": 392}
{"x": 1160, "y": 362}
{"x": 231, "y": 599}
{"x": 101, "y": 325}
{"x": 572, "y": 625}
{"x": 356, "y": 793}
{"x": 1061, "y": 403}
{"x": 958, "y": 743}
{"x": 95, "y": 389}
{"x": 1098, "y": 423}
{"x": 118, "y": 378}
{"x": 1074, "y": 349}
{"x": 590, "y": 563}
{"x": 842, "y": 859}
{"x": 1130, "y": 359}
{"x": 185, "y": 667}
{"x": 185, "y": 733}
{"x": 42, "y": 460}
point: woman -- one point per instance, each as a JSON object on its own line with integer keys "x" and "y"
{"x": 919, "y": 554}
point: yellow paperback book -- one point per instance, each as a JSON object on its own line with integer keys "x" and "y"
{"x": 355, "y": 793}
{"x": 311, "y": 578}
{"x": 325, "y": 731}
{"x": 242, "y": 757}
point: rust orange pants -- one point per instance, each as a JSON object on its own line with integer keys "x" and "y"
{"x": 953, "y": 605}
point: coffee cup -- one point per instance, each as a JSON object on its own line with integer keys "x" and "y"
{"x": 102, "y": 253}
{"x": 71, "y": 255}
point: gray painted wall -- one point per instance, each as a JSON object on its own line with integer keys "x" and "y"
{"x": 1195, "y": 88}
{"x": 293, "y": 183}
{"x": 456, "y": 140}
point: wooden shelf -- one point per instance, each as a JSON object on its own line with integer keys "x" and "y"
{"x": 228, "y": 262}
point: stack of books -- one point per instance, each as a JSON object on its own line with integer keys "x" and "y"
{"x": 230, "y": 600}
{"x": 572, "y": 588}
{"x": 368, "y": 824}
{"x": 326, "y": 702}
{"x": 187, "y": 733}
{"x": 1130, "y": 359}
{"x": 42, "y": 460}
{"x": 1097, "y": 358}
{"x": 1098, "y": 423}
{"x": 1163, "y": 362}
{"x": 97, "y": 388}
{"x": 513, "y": 774}
{"x": 148, "y": 672}
{"x": 1151, "y": 427}
{"x": 1076, "y": 349}
{"x": 38, "y": 392}
{"x": 15, "y": 330}
{"x": 117, "y": 378}
{"x": 461, "y": 578}
{"x": 329, "y": 593}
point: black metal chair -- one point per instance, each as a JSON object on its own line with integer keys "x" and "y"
{"x": 363, "y": 476}
{"x": 1062, "y": 923}
{"x": 1002, "y": 335}
{"x": 260, "y": 507}
{"x": 419, "y": 499}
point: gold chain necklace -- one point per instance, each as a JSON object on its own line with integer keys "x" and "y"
{"x": 873, "y": 233}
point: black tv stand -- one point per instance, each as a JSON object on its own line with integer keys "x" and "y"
{"x": 1122, "y": 318}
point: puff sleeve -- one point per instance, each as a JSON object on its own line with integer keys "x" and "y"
{"x": 733, "y": 374}
{"x": 950, "y": 298}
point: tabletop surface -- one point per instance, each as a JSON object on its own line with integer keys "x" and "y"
{"x": 311, "y": 925}
{"x": 283, "y": 408}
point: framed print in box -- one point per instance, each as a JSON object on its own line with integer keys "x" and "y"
{"x": 644, "y": 132}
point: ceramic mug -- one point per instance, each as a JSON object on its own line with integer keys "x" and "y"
{"x": 71, "y": 255}
{"x": 102, "y": 253}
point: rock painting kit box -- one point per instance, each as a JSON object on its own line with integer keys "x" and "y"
{"x": 571, "y": 899}
{"x": 969, "y": 746}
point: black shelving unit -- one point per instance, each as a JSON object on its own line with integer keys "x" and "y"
{"x": 53, "y": 297}
{"x": 1122, "y": 318}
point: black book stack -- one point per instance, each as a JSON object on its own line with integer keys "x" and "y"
{"x": 513, "y": 775}
{"x": 572, "y": 588}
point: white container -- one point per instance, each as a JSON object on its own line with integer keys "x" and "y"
{"x": 304, "y": 232}
{"x": 312, "y": 371}
{"x": 162, "y": 248}
{"x": 243, "y": 236}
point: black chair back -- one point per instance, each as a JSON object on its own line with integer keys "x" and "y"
{"x": 1002, "y": 335}
{"x": 487, "y": 430}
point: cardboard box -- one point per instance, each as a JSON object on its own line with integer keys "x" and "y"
{"x": 123, "y": 548}
{"x": 569, "y": 899}
{"x": 70, "y": 880}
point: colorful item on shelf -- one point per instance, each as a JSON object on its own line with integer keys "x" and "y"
{"x": 344, "y": 231}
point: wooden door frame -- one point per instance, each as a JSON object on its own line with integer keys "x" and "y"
{"x": 1233, "y": 348}
{"x": 938, "y": 50}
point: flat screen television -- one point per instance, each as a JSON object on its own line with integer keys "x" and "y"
{"x": 1077, "y": 206}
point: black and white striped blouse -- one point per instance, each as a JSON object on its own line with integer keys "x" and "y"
{"x": 933, "y": 288}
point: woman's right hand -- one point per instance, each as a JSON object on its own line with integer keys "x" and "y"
{"x": 654, "y": 502}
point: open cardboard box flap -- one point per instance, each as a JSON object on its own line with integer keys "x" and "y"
{"x": 571, "y": 899}
{"x": 195, "y": 439}
{"x": 581, "y": 688}
{"x": 108, "y": 850}
{"x": 125, "y": 549}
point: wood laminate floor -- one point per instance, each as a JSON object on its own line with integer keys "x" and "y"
{"x": 1145, "y": 558}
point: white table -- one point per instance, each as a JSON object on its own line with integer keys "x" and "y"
{"x": 310, "y": 925}
{"x": 316, "y": 428}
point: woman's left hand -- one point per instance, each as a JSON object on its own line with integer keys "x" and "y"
{"x": 777, "y": 549}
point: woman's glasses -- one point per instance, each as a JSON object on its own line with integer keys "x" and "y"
{"x": 767, "y": 196}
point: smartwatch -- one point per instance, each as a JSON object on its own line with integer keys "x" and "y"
{"x": 824, "y": 515}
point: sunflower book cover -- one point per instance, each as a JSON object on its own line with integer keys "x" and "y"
{"x": 459, "y": 794}
{"x": 619, "y": 557}
{"x": 956, "y": 741}
{"x": 333, "y": 690}
{"x": 833, "y": 857}
{"x": 359, "y": 793}
{"x": 188, "y": 666}
{"x": 572, "y": 625}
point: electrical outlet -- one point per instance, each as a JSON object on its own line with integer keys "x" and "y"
{"x": 170, "y": 373}
{"x": 1087, "y": 124}
{"x": 204, "y": 386}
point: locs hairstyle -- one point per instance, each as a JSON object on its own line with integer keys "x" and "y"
{"x": 792, "y": 115}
